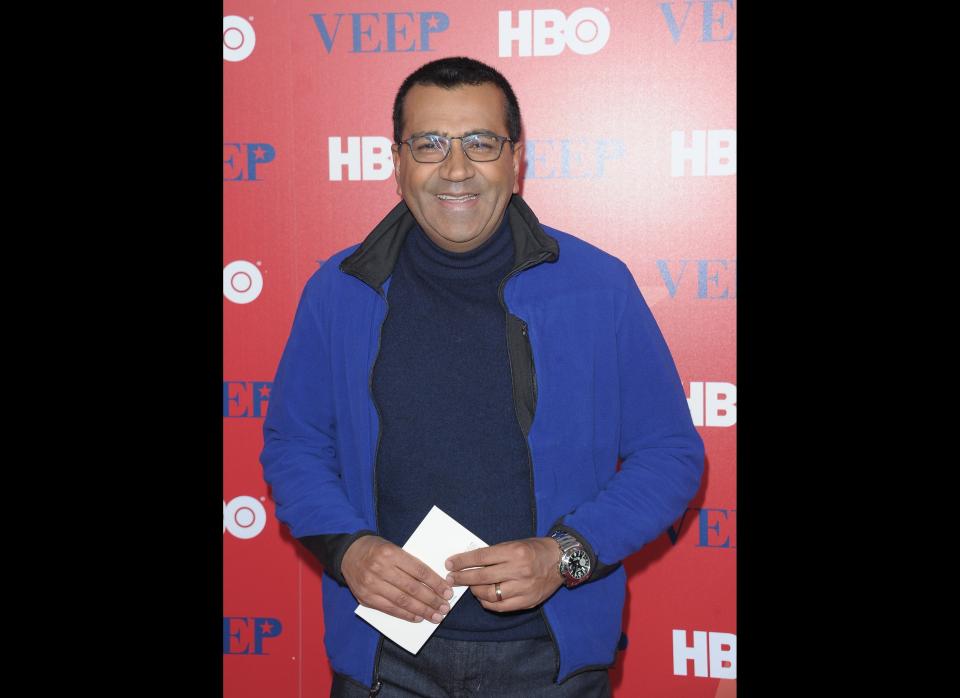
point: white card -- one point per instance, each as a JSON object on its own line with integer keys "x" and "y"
{"x": 437, "y": 537}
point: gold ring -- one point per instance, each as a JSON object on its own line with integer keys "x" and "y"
{"x": 499, "y": 593}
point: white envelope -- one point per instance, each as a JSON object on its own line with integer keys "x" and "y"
{"x": 437, "y": 537}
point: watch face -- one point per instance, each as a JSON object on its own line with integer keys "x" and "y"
{"x": 579, "y": 564}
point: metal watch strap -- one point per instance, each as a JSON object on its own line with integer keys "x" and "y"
{"x": 567, "y": 543}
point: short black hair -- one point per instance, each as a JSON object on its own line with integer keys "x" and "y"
{"x": 452, "y": 72}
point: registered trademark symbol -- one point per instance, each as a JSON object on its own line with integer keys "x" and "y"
{"x": 263, "y": 499}
{"x": 251, "y": 19}
{"x": 259, "y": 262}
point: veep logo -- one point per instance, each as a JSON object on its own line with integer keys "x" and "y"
{"x": 713, "y": 15}
{"x": 246, "y": 398}
{"x": 240, "y": 160}
{"x": 242, "y": 635}
{"x": 369, "y": 155}
{"x": 710, "y": 153}
{"x": 717, "y": 527}
{"x": 547, "y": 32}
{"x": 716, "y": 279}
{"x": 238, "y": 38}
{"x": 713, "y": 655}
{"x": 242, "y": 282}
{"x": 244, "y": 517}
{"x": 570, "y": 158}
{"x": 713, "y": 404}
{"x": 388, "y": 32}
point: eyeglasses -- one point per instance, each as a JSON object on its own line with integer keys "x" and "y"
{"x": 479, "y": 147}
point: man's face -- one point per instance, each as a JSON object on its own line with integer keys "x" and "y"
{"x": 458, "y": 226}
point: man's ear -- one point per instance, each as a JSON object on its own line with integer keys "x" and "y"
{"x": 517, "y": 161}
{"x": 395, "y": 152}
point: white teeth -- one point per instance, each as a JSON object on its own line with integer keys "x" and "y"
{"x": 447, "y": 197}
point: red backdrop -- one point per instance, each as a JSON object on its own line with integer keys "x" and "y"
{"x": 630, "y": 125}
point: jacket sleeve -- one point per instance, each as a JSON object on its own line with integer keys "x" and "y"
{"x": 299, "y": 456}
{"x": 662, "y": 455}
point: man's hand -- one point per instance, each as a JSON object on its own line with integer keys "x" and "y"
{"x": 527, "y": 571}
{"x": 383, "y": 576}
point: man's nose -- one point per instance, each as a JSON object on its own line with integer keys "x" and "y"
{"x": 457, "y": 166}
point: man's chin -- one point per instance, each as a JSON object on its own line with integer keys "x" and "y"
{"x": 458, "y": 238}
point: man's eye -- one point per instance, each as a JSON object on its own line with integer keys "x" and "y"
{"x": 480, "y": 145}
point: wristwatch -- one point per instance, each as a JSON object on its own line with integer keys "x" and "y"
{"x": 574, "y": 562}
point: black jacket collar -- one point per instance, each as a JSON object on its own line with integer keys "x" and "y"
{"x": 374, "y": 260}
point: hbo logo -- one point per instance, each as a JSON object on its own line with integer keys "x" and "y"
{"x": 238, "y": 38}
{"x": 244, "y": 517}
{"x": 547, "y": 32}
{"x": 242, "y": 282}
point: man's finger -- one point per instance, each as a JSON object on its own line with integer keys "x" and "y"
{"x": 405, "y": 586}
{"x": 482, "y": 575}
{"x": 511, "y": 602}
{"x": 387, "y": 605}
{"x": 422, "y": 573}
{"x": 403, "y": 593}
{"x": 490, "y": 555}
{"x": 517, "y": 603}
{"x": 488, "y": 592}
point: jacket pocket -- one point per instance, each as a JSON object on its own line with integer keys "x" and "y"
{"x": 522, "y": 371}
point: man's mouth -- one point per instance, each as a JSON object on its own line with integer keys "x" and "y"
{"x": 460, "y": 197}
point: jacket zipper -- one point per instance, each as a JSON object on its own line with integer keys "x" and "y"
{"x": 533, "y": 367}
{"x": 526, "y": 442}
{"x": 375, "y": 685}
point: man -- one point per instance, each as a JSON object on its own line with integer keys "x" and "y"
{"x": 466, "y": 356}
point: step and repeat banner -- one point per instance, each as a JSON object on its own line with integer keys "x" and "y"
{"x": 629, "y": 115}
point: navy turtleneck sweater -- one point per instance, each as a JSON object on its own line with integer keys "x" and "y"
{"x": 449, "y": 432}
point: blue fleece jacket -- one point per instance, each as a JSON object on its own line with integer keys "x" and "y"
{"x": 593, "y": 382}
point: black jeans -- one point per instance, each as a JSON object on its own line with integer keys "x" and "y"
{"x": 453, "y": 668}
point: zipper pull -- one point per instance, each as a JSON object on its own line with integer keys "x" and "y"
{"x": 376, "y": 688}
{"x": 523, "y": 328}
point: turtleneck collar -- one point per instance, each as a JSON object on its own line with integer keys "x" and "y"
{"x": 486, "y": 259}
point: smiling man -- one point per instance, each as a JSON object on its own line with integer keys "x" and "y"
{"x": 465, "y": 356}
{"x": 460, "y": 201}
